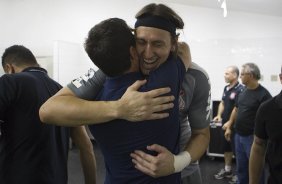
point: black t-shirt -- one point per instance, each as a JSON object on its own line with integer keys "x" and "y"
{"x": 248, "y": 103}
{"x": 269, "y": 127}
{"x": 30, "y": 152}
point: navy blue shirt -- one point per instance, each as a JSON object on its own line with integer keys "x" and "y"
{"x": 229, "y": 97}
{"x": 30, "y": 152}
{"x": 119, "y": 138}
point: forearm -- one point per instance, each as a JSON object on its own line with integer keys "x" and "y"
{"x": 88, "y": 163}
{"x": 64, "y": 108}
{"x": 257, "y": 159}
{"x": 229, "y": 124}
{"x": 87, "y": 157}
{"x": 232, "y": 117}
{"x": 71, "y": 111}
{"x": 198, "y": 143}
{"x": 220, "y": 109}
{"x": 68, "y": 110}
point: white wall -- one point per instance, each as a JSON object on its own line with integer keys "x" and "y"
{"x": 70, "y": 61}
{"x": 216, "y": 42}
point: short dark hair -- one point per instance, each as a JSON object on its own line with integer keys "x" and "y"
{"x": 19, "y": 56}
{"x": 108, "y": 45}
{"x": 165, "y": 12}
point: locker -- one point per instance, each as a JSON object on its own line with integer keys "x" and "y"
{"x": 216, "y": 140}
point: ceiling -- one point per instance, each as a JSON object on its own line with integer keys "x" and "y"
{"x": 267, "y": 7}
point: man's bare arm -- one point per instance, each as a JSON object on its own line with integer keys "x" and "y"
{"x": 198, "y": 143}
{"x": 257, "y": 159}
{"x": 229, "y": 124}
{"x": 64, "y": 108}
{"x": 87, "y": 157}
{"x": 219, "y": 112}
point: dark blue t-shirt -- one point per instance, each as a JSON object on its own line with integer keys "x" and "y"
{"x": 119, "y": 138}
{"x": 229, "y": 97}
{"x": 30, "y": 152}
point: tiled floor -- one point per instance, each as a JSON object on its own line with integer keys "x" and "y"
{"x": 208, "y": 168}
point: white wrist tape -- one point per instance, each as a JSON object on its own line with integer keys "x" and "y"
{"x": 181, "y": 160}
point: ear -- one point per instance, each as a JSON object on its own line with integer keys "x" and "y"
{"x": 252, "y": 76}
{"x": 133, "y": 54}
{"x": 9, "y": 68}
{"x": 134, "y": 59}
{"x": 174, "y": 42}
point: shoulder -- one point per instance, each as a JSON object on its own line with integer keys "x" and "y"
{"x": 264, "y": 91}
{"x": 13, "y": 78}
{"x": 5, "y": 80}
{"x": 197, "y": 71}
{"x": 11, "y": 83}
{"x": 200, "y": 77}
{"x": 199, "y": 87}
{"x": 267, "y": 105}
{"x": 262, "y": 88}
{"x": 88, "y": 85}
{"x": 239, "y": 87}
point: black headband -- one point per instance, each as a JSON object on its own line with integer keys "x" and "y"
{"x": 157, "y": 22}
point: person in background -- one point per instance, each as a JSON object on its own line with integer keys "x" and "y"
{"x": 32, "y": 152}
{"x": 267, "y": 141}
{"x": 230, "y": 95}
{"x": 152, "y": 51}
{"x": 243, "y": 114}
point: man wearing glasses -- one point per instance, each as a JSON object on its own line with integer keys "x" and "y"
{"x": 243, "y": 115}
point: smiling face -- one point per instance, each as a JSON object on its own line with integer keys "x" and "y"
{"x": 153, "y": 47}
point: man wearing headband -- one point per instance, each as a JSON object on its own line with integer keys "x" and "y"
{"x": 194, "y": 97}
{"x": 153, "y": 50}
